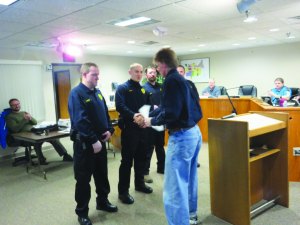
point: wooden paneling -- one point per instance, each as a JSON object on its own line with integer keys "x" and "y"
{"x": 216, "y": 108}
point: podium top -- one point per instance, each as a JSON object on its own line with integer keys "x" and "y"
{"x": 257, "y": 122}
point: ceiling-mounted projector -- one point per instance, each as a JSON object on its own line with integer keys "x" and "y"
{"x": 244, "y": 5}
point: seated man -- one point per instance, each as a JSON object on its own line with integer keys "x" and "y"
{"x": 212, "y": 91}
{"x": 279, "y": 92}
{"x": 18, "y": 121}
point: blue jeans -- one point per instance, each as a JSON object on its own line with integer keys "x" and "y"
{"x": 180, "y": 193}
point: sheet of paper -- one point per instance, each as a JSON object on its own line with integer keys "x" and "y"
{"x": 144, "y": 110}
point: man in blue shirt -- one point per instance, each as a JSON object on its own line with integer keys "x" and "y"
{"x": 212, "y": 91}
{"x": 180, "y": 111}
{"x": 91, "y": 128}
{"x": 156, "y": 138}
{"x": 279, "y": 92}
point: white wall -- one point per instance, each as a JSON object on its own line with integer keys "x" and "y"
{"x": 258, "y": 66}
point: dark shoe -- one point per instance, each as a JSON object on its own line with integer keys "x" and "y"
{"x": 67, "y": 158}
{"x": 126, "y": 198}
{"x": 107, "y": 206}
{"x": 145, "y": 189}
{"x": 198, "y": 164}
{"x": 84, "y": 221}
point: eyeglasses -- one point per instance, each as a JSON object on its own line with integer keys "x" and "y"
{"x": 16, "y": 104}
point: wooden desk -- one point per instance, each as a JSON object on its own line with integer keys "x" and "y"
{"x": 218, "y": 107}
{"x": 33, "y": 138}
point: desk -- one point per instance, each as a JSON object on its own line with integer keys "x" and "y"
{"x": 218, "y": 107}
{"x": 33, "y": 138}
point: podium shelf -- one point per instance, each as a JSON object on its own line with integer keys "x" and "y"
{"x": 264, "y": 154}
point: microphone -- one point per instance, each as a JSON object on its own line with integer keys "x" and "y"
{"x": 234, "y": 112}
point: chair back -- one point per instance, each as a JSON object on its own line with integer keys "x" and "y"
{"x": 248, "y": 90}
{"x": 3, "y": 128}
{"x": 222, "y": 90}
{"x": 294, "y": 92}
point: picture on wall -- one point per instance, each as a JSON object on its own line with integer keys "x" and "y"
{"x": 196, "y": 70}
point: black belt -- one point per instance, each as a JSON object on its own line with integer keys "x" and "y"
{"x": 178, "y": 129}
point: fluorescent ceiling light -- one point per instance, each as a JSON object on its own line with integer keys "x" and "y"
{"x": 251, "y": 38}
{"x": 274, "y": 30}
{"x": 7, "y": 2}
{"x": 129, "y": 22}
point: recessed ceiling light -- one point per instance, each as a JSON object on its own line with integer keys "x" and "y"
{"x": 251, "y": 38}
{"x": 236, "y": 44}
{"x": 202, "y": 45}
{"x": 132, "y": 21}
{"x": 131, "y": 42}
{"x": 7, "y": 2}
{"x": 193, "y": 50}
{"x": 274, "y": 30}
{"x": 166, "y": 46}
{"x": 129, "y": 52}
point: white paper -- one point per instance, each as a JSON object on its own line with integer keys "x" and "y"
{"x": 144, "y": 110}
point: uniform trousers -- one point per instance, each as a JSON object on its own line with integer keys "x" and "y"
{"x": 86, "y": 165}
{"x": 157, "y": 141}
{"x": 134, "y": 144}
{"x": 180, "y": 193}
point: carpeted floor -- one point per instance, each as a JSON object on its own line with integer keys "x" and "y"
{"x": 28, "y": 199}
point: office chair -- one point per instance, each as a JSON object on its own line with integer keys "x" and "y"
{"x": 222, "y": 90}
{"x": 114, "y": 123}
{"x": 294, "y": 92}
{"x": 248, "y": 90}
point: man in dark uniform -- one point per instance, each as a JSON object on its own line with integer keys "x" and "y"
{"x": 91, "y": 128}
{"x": 156, "y": 138}
{"x": 130, "y": 97}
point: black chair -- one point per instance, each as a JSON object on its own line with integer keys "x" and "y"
{"x": 114, "y": 123}
{"x": 23, "y": 159}
{"x": 222, "y": 90}
{"x": 248, "y": 90}
{"x": 294, "y": 92}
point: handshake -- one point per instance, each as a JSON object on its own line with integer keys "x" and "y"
{"x": 142, "y": 121}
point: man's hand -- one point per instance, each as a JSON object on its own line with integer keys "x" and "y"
{"x": 97, "y": 146}
{"x": 27, "y": 116}
{"x": 105, "y": 136}
{"x": 147, "y": 122}
{"x": 139, "y": 119}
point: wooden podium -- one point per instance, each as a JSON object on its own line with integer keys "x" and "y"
{"x": 241, "y": 185}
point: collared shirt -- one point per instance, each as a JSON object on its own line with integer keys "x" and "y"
{"x": 213, "y": 93}
{"x": 155, "y": 92}
{"x": 284, "y": 91}
{"x": 130, "y": 97}
{"x": 178, "y": 107}
{"x": 88, "y": 113}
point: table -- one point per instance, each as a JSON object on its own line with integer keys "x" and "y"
{"x": 33, "y": 138}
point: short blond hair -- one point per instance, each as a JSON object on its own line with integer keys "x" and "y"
{"x": 134, "y": 65}
{"x": 85, "y": 68}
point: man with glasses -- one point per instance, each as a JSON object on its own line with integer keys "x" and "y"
{"x": 19, "y": 121}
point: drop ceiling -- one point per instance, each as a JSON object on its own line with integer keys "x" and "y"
{"x": 193, "y": 26}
